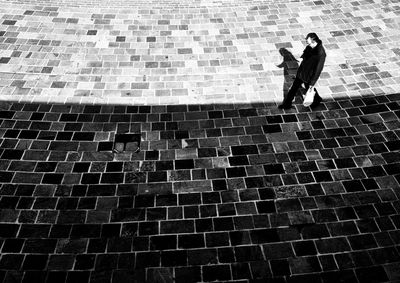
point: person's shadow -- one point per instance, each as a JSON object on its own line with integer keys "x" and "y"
{"x": 290, "y": 65}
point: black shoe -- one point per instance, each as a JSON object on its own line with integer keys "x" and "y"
{"x": 316, "y": 102}
{"x": 285, "y": 106}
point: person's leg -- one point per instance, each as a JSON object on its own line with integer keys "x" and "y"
{"x": 287, "y": 103}
{"x": 317, "y": 98}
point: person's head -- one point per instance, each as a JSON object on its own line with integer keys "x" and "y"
{"x": 312, "y": 39}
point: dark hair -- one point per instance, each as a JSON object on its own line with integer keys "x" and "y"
{"x": 314, "y": 37}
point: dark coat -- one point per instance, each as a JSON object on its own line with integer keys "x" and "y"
{"x": 313, "y": 62}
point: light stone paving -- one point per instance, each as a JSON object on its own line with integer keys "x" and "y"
{"x": 192, "y": 52}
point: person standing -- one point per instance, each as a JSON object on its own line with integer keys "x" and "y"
{"x": 309, "y": 71}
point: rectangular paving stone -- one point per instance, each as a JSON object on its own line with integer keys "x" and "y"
{"x": 304, "y": 265}
{"x": 216, "y": 272}
{"x": 280, "y": 267}
{"x": 362, "y": 242}
{"x": 374, "y": 273}
{"x": 279, "y": 250}
{"x": 178, "y": 226}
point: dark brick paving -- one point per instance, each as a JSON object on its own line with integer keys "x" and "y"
{"x": 227, "y": 193}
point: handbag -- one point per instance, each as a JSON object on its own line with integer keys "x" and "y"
{"x": 309, "y": 98}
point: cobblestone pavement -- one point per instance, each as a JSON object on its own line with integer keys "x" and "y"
{"x": 140, "y": 142}
{"x": 196, "y": 52}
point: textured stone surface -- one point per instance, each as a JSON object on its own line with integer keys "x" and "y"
{"x": 222, "y": 186}
{"x": 192, "y": 52}
{"x": 195, "y": 207}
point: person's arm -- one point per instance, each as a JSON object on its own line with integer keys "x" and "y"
{"x": 318, "y": 70}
